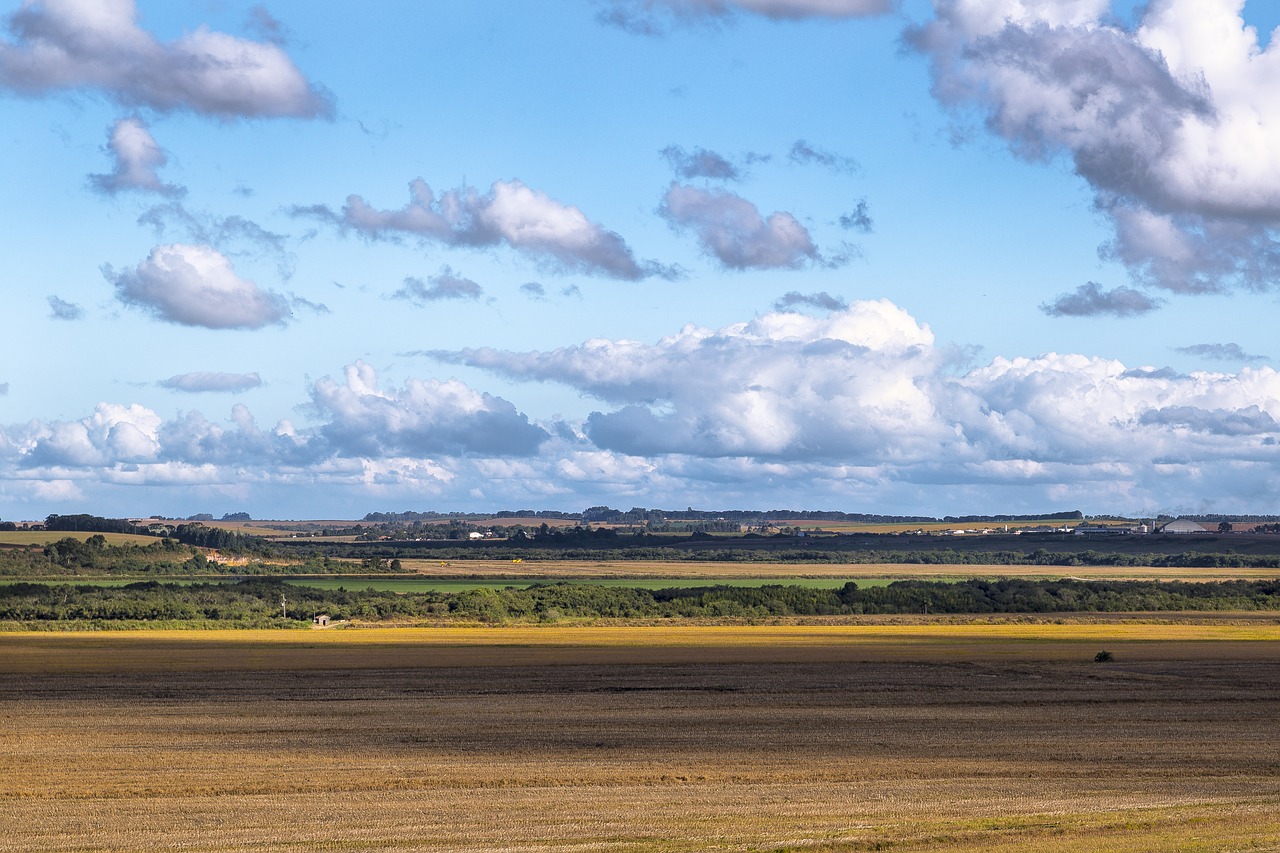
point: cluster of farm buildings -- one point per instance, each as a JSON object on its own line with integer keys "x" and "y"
{"x": 1180, "y": 525}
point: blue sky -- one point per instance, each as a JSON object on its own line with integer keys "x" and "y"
{"x": 920, "y": 257}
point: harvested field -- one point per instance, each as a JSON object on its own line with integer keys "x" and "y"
{"x": 937, "y": 735}
{"x": 838, "y": 572}
{"x": 44, "y": 537}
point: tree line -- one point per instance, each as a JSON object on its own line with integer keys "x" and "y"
{"x": 267, "y": 601}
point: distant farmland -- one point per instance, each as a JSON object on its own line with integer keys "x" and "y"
{"x": 44, "y": 537}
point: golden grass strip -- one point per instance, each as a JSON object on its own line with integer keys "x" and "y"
{"x": 44, "y": 537}
{"x": 380, "y": 648}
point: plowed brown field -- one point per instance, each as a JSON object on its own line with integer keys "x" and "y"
{"x": 903, "y": 737}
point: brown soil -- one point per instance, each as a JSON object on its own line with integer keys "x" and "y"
{"x": 546, "y": 747}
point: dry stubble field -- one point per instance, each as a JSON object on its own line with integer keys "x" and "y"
{"x": 779, "y": 572}
{"x": 935, "y": 736}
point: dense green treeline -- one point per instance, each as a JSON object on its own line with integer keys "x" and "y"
{"x": 262, "y": 601}
{"x": 833, "y": 551}
{"x": 91, "y": 524}
{"x": 189, "y": 534}
{"x": 222, "y": 540}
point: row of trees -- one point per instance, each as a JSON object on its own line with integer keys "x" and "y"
{"x": 217, "y": 538}
{"x": 259, "y": 601}
{"x": 169, "y": 556}
{"x": 91, "y": 523}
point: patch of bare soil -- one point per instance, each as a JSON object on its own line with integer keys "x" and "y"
{"x": 574, "y": 753}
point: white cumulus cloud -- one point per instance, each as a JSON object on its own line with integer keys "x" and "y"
{"x": 97, "y": 44}
{"x": 784, "y": 384}
{"x": 1174, "y": 124}
{"x": 113, "y": 433}
{"x": 197, "y": 286}
{"x": 860, "y": 405}
{"x": 866, "y": 393}
{"x": 427, "y": 416}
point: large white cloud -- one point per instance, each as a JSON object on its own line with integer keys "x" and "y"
{"x": 364, "y": 437}
{"x": 511, "y": 213}
{"x": 113, "y": 433}
{"x": 97, "y": 44}
{"x": 860, "y": 407}
{"x": 426, "y": 417}
{"x": 867, "y": 387}
{"x": 850, "y": 385}
{"x": 1175, "y": 125}
{"x": 197, "y": 286}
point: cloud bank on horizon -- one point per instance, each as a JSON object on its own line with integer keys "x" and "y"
{"x": 863, "y": 399}
{"x": 653, "y": 297}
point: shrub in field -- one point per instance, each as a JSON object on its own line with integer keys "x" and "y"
{"x": 1102, "y": 656}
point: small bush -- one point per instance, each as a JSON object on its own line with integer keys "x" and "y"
{"x": 1102, "y": 657}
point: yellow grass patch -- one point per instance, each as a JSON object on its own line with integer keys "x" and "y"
{"x": 1252, "y": 638}
{"x": 570, "y": 569}
{"x": 44, "y": 537}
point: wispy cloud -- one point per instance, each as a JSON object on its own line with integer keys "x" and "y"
{"x": 511, "y": 214}
{"x": 858, "y": 220}
{"x": 700, "y": 163}
{"x": 195, "y": 383}
{"x": 1220, "y": 352}
{"x": 803, "y": 154}
{"x": 657, "y": 17}
{"x": 821, "y": 300}
{"x": 232, "y": 235}
{"x": 137, "y": 157}
{"x": 444, "y": 285}
{"x": 731, "y": 229}
{"x": 61, "y": 309}
{"x": 1090, "y": 300}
